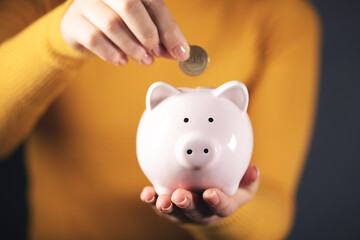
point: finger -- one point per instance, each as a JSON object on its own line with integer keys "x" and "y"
{"x": 165, "y": 208}
{"x": 224, "y": 205}
{"x": 148, "y": 195}
{"x": 91, "y": 38}
{"x": 251, "y": 174}
{"x": 252, "y": 187}
{"x": 164, "y": 204}
{"x": 160, "y": 51}
{"x": 137, "y": 19}
{"x": 169, "y": 31}
{"x": 221, "y": 204}
{"x": 191, "y": 204}
{"x": 110, "y": 23}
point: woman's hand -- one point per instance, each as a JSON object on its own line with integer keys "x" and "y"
{"x": 187, "y": 207}
{"x": 115, "y": 29}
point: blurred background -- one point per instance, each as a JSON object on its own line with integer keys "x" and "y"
{"x": 329, "y": 192}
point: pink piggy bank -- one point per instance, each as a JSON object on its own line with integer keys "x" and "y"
{"x": 195, "y": 139}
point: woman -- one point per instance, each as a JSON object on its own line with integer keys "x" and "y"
{"x": 78, "y": 112}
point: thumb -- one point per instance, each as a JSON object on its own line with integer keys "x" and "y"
{"x": 220, "y": 203}
{"x": 224, "y": 205}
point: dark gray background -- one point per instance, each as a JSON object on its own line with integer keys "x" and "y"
{"x": 328, "y": 197}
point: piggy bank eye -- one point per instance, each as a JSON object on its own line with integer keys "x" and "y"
{"x": 186, "y": 120}
{"x": 210, "y": 119}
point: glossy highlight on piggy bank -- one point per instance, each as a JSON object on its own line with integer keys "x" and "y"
{"x": 195, "y": 138}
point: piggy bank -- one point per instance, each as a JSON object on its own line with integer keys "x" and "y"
{"x": 195, "y": 139}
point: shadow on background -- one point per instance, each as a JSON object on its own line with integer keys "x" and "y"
{"x": 328, "y": 197}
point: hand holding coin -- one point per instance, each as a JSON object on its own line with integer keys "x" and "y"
{"x": 116, "y": 30}
{"x": 197, "y": 63}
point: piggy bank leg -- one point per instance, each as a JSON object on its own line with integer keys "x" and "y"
{"x": 162, "y": 190}
{"x": 231, "y": 190}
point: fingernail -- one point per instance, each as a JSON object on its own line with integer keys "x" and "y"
{"x": 182, "y": 51}
{"x": 168, "y": 209}
{"x": 183, "y": 204}
{"x": 150, "y": 200}
{"x": 157, "y": 51}
{"x": 147, "y": 59}
{"x": 213, "y": 198}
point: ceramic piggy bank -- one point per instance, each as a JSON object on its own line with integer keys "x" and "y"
{"x": 195, "y": 139}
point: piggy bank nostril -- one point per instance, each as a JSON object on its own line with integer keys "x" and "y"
{"x": 189, "y": 151}
{"x": 206, "y": 150}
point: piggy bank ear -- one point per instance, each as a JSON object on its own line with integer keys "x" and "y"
{"x": 236, "y": 92}
{"x": 158, "y": 92}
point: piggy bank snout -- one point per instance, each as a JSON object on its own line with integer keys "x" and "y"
{"x": 197, "y": 151}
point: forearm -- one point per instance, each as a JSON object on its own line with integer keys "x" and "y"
{"x": 35, "y": 66}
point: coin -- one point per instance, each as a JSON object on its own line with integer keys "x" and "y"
{"x": 197, "y": 63}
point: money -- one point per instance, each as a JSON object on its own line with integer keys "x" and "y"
{"x": 197, "y": 62}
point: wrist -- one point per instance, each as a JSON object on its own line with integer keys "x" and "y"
{"x": 57, "y": 46}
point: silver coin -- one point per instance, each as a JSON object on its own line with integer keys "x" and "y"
{"x": 197, "y": 63}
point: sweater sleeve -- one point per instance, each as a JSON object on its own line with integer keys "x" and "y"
{"x": 36, "y": 64}
{"x": 282, "y": 109}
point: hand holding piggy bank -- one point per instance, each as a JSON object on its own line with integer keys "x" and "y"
{"x": 195, "y": 139}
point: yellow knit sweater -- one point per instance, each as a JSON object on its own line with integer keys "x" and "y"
{"x": 78, "y": 115}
